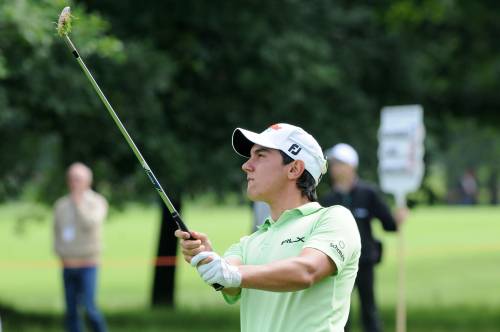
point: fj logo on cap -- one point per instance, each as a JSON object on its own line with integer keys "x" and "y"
{"x": 294, "y": 149}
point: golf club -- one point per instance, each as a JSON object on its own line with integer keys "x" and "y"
{"x": 63, "y": 29}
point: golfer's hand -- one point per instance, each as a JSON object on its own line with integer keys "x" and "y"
{"x": 217, "y": 271}
{"x": 191, "y": 247}
{"x": 401, "y": 214}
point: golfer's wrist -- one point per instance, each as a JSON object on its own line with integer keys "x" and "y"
{"x": 243, "y": 270}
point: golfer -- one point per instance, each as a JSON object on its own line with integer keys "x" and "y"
{"x": 297, "y": 271}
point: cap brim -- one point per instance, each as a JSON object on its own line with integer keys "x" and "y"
{"x": 241, "y": 144}
{"x": 243, "y": 140}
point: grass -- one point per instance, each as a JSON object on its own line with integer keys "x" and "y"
{"x": 452, "y": 270}
{"x": 31, "y": 273}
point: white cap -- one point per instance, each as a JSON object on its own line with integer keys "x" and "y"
{"x": 292, "y": 140}
{"x": 344, "y": 153}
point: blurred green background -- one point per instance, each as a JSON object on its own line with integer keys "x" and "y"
{"x": 452, "y": 269}
{"x": 182, "y": 75}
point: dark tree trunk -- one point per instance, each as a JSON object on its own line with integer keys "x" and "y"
{"x": 493, "y": 187}
{"x": 164, "y": 276}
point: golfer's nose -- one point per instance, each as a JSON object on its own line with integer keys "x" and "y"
{"x": 247, "y": 166}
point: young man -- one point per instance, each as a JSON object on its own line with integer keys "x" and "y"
{"x": 364, "y": 201}
{"x": 295, "y": 273}
{"x": 77, "y": 233}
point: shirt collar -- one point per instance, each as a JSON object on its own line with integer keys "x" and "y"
{"x": 308, "y": 208}
{"x": 303, "y": 210}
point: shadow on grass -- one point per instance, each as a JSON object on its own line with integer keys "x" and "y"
{"x": 439, "y": 319}
{"x": 140, "y": 320}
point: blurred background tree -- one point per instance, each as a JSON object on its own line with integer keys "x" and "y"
{"x": 329, "y": 66}
{"x": 183, "y": 74}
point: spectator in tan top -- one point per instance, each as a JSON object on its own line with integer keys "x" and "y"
{"x": 78, "y": 218}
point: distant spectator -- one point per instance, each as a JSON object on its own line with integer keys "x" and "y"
{"x": 78, "y": 217}
{"x": 468, "y": 188}
{"x": 365, "y": 203}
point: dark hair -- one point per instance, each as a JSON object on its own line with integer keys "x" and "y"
{"x": 305, "y": 182}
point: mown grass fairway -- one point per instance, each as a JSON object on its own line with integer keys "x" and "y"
{"x": 453, "y": 268}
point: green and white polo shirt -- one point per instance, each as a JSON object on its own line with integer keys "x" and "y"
{"x": 324, "y": 307}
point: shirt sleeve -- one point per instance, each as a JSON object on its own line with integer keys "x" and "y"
{"x": 236, "y": 250}
{"x": 336, "y": 235}
{"x": 382, "y": 212}
{"x": 92, "y": 209}
{"x": 56, "y": 228}
{"x": 231, "y": 299}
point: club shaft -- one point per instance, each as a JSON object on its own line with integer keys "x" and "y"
{"x": 129, "y": 140}
{"x": 175, "y": 215}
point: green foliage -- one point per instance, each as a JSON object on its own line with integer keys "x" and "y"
{"x": 252, "y": 65}
{"x": 454, "y": 53}
{"x": 472, "y": 147}
{"x": 48, "y": 110}
{"x": 183, "y": 74}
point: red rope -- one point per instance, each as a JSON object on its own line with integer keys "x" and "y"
{"x": 133, "y": 262}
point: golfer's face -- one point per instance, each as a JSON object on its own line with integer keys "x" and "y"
{"x": 266, "y": 173}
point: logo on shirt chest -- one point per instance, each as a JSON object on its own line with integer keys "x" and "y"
{"x": 297, "y": 239}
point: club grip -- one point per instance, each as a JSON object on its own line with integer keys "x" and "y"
{"x": 217, "y": 287}
{"x": 182, "y": 226}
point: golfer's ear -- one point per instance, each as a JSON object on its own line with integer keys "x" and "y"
{"x": 296, "y": 169}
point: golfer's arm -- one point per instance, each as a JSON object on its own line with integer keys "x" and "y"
{"x": 92, "y": 212}
{"x": 290, "y": 274}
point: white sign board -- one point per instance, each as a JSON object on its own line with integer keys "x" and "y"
{"x": 401, "y": 149}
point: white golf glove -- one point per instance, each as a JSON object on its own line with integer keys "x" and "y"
{"x": 218, "y": 271}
